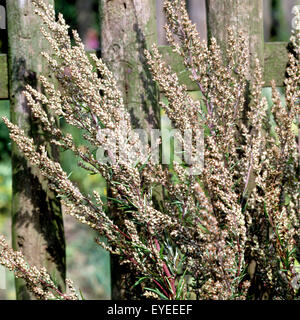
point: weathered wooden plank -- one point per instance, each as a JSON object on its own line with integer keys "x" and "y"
{"x": 128, "y": 28}
{"x": 3, "y": 77}
{"x": 240, "y": 15}
{"x": 196, "y": 10}
{"x": 275, "y": 62}
{"x": 276, "y": 59}
{"x": 175, "y": 61}
{"x": 246, "y": 16}
{"x": 160, "y": 23}
{"x": 37, "y": 225}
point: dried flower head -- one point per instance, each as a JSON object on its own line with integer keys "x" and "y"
{"x": 243, "y": 207}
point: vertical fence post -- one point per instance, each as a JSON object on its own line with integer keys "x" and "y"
{"x": 127, "y": 28}
{"x": 37, "y": 224}
{"x": 245, "y": 15}
{"x": 196, "y": 9}
{"x": 240, "y": 15}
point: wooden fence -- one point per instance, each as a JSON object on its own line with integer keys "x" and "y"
{"x": 275, "y": 53}
{"x": 127, "y": 28}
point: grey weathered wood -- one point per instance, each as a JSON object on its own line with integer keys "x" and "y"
{"x": 37, "y": 225}
{"x": 275, "y": 62}
{"x": 267, "y": 19}
{"x": 197, "y": 13}
{"x": 246, "y": 16}
{"x": 241, "y": 15}
{"x": 161, "y": 21}
{"x": 128, "y": 28}
{"x": 3, "y": 77}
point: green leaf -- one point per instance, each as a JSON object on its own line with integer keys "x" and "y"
{"x": 81, "y": 295}
{"x": 116, "y": 200}
{"x": 180, "y": 285}
{"x": 161, "y": 251}
{"x": 139, "y": 281}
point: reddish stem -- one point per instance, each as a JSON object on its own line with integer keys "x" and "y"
{"x": 161, "y": 288}
{"x": 166, "y": 270}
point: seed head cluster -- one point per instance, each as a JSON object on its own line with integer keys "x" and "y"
{"x": 231, "y": 232}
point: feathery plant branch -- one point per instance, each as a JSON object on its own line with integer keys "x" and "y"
{"x": 212, "y": 225}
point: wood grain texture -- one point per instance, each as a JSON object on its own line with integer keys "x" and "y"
{"x": 37, "y": 225}
{"x": 3, "y": 77}
{"x": 276, "y": 60}
{"x": 241, "y": 15}
{"x": 128, "y": 28}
